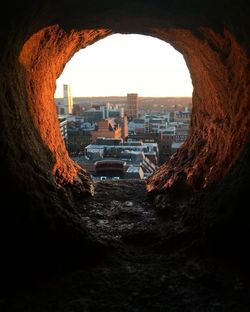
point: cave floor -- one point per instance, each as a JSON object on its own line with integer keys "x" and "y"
{"x": 151, "y": 264}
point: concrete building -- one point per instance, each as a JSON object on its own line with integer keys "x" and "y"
{"x": 108, "y": 141}
{"x": 109, "y": 111}
{"x": 136, "y": 126}
{"x": 63, "y": 128}
{"x": 183, "y": 116}
{"x": 123, "y": 160}
{"x": 129, "y": 151}
{"x": 99, "y": 112}
{"x": 92, "y": 115}
{"x": 156, "y": 123}
{"x": 67, "y": 99}
{"x": 181, "y": 133}
{"x": 132, "y": 106}
{"x": 65, "y": 105}
{"x": 134, "y": 172}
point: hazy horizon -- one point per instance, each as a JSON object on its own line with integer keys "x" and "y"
{"x": 121, "y": 64}
{"x": 119, "y": 96}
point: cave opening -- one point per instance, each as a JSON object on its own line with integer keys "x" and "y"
{"x": 46, "y": 228}
{"x": 204, "y": 158}
{"x": 100, "y": 75}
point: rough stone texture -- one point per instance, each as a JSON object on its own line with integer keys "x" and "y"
{"x": 41, "y": 183}
{"x": 43, "y": 57}
{"x": 220, "y": 119}
{"x": 154, "y": 265}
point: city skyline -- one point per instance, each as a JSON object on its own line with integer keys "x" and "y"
{"x": 121, "y": 64}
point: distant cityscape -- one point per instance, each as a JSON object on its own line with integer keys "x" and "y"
{"x": 122, "y": 137}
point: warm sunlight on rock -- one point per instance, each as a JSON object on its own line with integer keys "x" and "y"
{"x": 44, "y": 56}
{"x": 177, "y": 241}
{"x": 218, "y": 67}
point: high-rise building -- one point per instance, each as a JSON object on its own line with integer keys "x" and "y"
{"x": 132, "y": 106}
{"x": 67, "y": 99}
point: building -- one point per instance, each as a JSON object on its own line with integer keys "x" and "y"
{"x": 123, "y": 122}
{"x": 165, "y": 143}
{"x": 109, "y": 111}
{"x": 130, "y": 151}
{"x": 92, "y": 115}
{"x": 99, "y": 112}
{"x": 63, "y": 128}
{"x": 156, "y": 123}
{"x": 183, "y": 116}
{"x": 181, "y": 133}
{"x": 132, "y": 106}
{"x": 67, "y": 100}
{"x": 65, "y": 104}
{"x": 136, "y": 126}
{"x": 108, "y": 141}
{"x": 134, "y": 172}
{"x": 77, "y": 110}
{"x": 106, "y": 128}
{"x": 123, "y": 160}
{"x": 110, "y": 167}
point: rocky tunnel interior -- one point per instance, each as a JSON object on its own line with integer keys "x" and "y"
{"x": 42, "y": 187}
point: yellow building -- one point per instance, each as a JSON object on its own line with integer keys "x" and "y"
{"x": 67, "y": 99}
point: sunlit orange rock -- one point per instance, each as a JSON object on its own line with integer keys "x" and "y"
{"x": 40, "y": 181}
{"x": 218, "y": 68}
{"x": 220, "y": 119}
{"x": 43, "y": 57}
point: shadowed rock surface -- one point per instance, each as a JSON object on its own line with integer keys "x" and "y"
{"x": 203, "y": 186}
{"x": 151, "y": 264}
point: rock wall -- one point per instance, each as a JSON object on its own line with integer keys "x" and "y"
{"x": 41, "y": 184}
{"x": 220, "y": 119}
{"x": 43, "y": 58}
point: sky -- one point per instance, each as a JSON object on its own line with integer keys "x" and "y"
{"x": 121, "y": 64}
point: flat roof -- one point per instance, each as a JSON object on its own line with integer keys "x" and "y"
{"x": 133, "y": 169}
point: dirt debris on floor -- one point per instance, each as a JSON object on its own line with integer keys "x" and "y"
{"x": 147, "y": 267}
